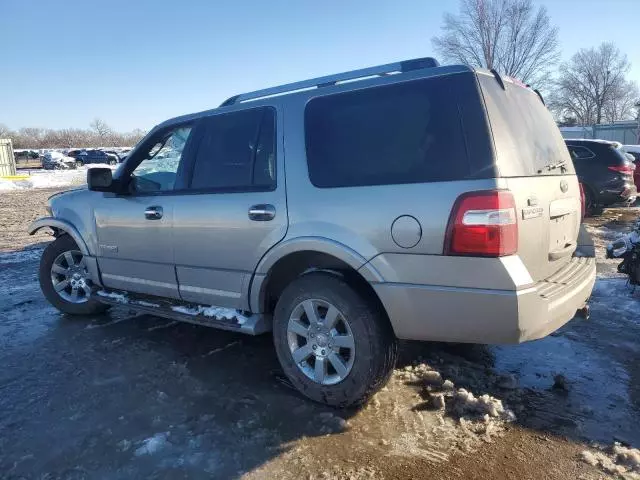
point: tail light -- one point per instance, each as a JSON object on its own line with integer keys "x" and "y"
{"x": 624, "y": 169}
{"x": 483, "y": 224}
{"x": 583, "y": 207}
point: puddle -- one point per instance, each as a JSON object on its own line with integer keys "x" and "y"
{"x": 600, "y": 360}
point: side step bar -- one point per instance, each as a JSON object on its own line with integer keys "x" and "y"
{"x": 207, "y": 316}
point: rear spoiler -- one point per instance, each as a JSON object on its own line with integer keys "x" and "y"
{"x": 500, "y": 81}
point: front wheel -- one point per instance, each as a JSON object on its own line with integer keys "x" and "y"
{"x": 113, "y": 162}
{"x": 64, "y": 279}
{"x": 333, "y": 342}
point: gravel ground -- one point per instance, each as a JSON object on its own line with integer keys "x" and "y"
{"x": 123, "y": 396}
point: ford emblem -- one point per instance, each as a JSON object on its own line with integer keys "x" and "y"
{"x": 564, "y": 186}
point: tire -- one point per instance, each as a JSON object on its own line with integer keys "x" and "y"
{"x": 57, "y": 252}
{"x": 375, "y": 347}
{"x": 79, "y": 163}
{"x": 113, "y": 162}
{"x": 589, "y": 202}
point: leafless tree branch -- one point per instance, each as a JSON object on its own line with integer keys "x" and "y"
{"x": 592, "y": 87}
{"x": 511, "y": 36}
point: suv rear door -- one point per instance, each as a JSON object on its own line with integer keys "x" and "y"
{"x": 532, "y": 158}
{"x": 235, "y": 209}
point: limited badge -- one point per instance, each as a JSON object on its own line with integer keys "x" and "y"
{"x": 532, "y": 212}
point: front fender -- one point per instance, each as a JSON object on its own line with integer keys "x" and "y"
{"x": 60, "y": 225}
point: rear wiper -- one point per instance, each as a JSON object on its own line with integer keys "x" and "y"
{"x": 562, "y": 164}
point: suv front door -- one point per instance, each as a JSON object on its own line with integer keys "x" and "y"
{"x": 135, "y": 245}
{"x": 236, "y": 209}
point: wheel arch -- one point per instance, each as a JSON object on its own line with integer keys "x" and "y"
{"x": 294, "y": 259}
{"x": 58, "y": 226}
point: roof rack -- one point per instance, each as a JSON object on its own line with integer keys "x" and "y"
{"x": 329, "y": 80}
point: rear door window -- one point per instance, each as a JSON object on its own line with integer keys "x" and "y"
{"x": 236, "y": 152}
{"x": 410, "y": 132}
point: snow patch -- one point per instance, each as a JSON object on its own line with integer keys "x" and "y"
{"x": 118, "y": 297}
{"x": 50, "y": 178}
{"x": 213, "y": 312}
{"x": 142, "y": 303}
{"x": 619, "y": 460}
{"x": 465, "y": 403}
{"x": 153, "y": 444}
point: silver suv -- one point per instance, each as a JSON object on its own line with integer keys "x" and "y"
{"x": 404, "y": 201}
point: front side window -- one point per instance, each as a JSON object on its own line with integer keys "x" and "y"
{"x": 236, "y": 152}
{"x": 158, "y": 171}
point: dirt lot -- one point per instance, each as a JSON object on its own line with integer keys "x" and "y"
{"x": 119, "y": 396}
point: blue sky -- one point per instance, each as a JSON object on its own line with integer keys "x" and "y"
{"x": 135, "y": 63}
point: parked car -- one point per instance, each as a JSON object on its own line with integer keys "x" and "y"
{"x": 604, "y": 171}
{"x": 439, "y": 203}
{"x": 634, "y": 151}
{"x": 86, "y": 157}
{"x": 57, "y": 161}
{"x": 116, "y": 153}
{"x": 27, "y": 159}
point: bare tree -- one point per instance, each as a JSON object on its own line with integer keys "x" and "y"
{"x": 511, "y": 36}
{"x": 592, "y": 86}
{"x": 37, "y": 138}
{"x": 621, "y": 104}
{"x": 101, "y": 129}
{"x": 4, "y": 131}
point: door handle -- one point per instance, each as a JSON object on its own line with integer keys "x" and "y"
{"x": 262, "y": 212}
{"x": 153, "y": 213}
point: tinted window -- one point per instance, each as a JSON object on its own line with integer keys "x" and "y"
{"x": 236, "y": 151}
{"x": 580, "y": 153}
{"x": 408, "y": 132}
{"x": 526, "y": 137}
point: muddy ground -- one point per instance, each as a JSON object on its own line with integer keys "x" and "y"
{"x": 120, "y": 396}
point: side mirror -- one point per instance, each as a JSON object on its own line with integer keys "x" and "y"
{"x": 100, "y": 179}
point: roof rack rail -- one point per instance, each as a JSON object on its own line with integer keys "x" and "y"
{"x": 329, "y": 80}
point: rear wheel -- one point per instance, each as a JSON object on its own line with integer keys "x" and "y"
{"x": 64, "y": 279}
{"x": 334, "y": 343}
{"x": 589, "y": 202}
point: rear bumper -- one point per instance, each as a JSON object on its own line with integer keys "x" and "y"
{"x": 622, "y": 191}
{"x": 473, "y": 315}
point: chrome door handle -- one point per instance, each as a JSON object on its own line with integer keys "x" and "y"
{"x": 262, "y": 212}
{"x": 153, "y": 213}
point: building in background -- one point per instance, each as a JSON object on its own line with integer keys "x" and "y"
{"x": 625, "y": 132}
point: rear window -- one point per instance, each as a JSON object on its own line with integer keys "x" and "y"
{"x": 527, "y": 139}
{"x": 410, "y": 132}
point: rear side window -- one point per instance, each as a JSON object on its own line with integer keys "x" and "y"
{"x": 409, "y": 132}
{"x": 236, "y": 152}
{"x": 580, "y": 153}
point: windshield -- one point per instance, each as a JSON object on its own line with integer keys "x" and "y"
{"x": 527, "y": 139}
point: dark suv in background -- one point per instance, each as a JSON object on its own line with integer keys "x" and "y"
{"x": 85, "y": 157}
{"x": 604, "y": 171}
